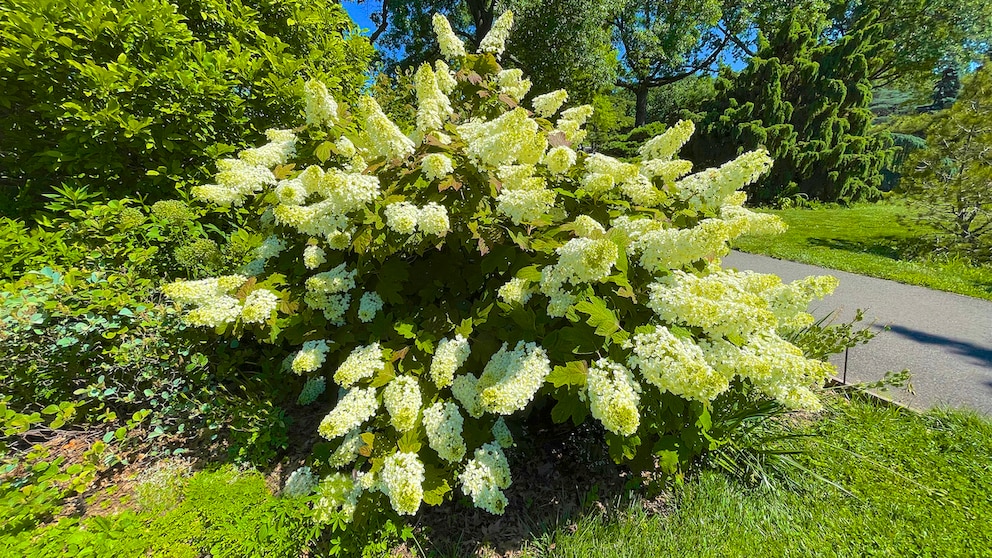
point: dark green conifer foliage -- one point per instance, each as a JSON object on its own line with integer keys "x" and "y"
{"x": 806, "y": 100}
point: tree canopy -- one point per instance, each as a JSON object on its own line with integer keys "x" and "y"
{"x": 806, "y": 100}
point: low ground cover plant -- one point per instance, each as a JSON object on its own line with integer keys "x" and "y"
{"x": 436, "y": 286}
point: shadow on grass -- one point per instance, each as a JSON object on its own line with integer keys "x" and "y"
{"x": 890, "y": 247}
{"x": 979, "y": 354}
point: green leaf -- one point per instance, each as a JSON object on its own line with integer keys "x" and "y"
{"x": 571, "y": 374}
{"x": 569, "y": 407}
{"x": 410, "y": 442}
{"x": 323, "y": 151}
{"x": 600, "y": 316}
{"x": 434, "y": 490}
{"x": 465, "y": 328}
{"x": 530, "y": 273}
{"x": 406, "y": 329}
{"x": 622, "y": 448}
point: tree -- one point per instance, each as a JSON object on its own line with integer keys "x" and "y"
{"x": 131, "y": 98}
{"x": 949, "y": 180}
{"x": 559, "y": 43}
{"x": 926, "y": 34}
{"x": 664, "y": 42}
{"x": 805, "y": 100}
{"x": 565, "y": 44}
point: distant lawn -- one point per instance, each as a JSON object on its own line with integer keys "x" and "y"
{"x": 870, "y": 240}
{"x": 921, "y": 485}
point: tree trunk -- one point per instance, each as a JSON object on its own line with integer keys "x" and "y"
{"x": 641, "y": 115}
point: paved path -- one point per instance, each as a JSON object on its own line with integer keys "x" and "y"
{"x": 944, "y": 339}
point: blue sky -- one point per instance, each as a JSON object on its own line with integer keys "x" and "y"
{"x": 360, "y": 13}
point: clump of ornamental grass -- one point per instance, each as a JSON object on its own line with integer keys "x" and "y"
{"x": 450, "y": 278}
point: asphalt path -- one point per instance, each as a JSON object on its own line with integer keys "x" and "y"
{"x": 944, "y": 339}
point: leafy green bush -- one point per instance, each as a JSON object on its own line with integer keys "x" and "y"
{"x": 627, "y": 145}
{"x": 402, "y": 268}
{"x": 133, "y": 96}
{"x": 948, "y": 180}
{"x": 805, "y": 99}
{"x": 90, "y": 327}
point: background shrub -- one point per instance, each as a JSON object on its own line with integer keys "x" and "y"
{"x": 131, "y": 97}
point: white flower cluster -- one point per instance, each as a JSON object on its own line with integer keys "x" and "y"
{"x": 436, "y": 166}
{"x": 330, "y": 291}
{"x": 559, "y": 159}
{"x": 312, "y": 389}
{"x": 342, "y": 193}
{"x": 361, "y": 364}
{"x": 580, "y": 260}
{"x": 709, "y": 188}
{"x": 587, "y": 227}
{"x": 385, "y": 139}
{"x": 613, "y": 397}
{"x": 451, "y": 45}
{"x": 247, "y": 175}
{"x": 259, "y": 306}
{"x": 214, "y": 304}
{"x": 313, "y": 256}
{"x": 515, "y": 291}
{"x": 789, "y": 301}
{"x": 677, "y": 366}
{"x": 662, "y": 249}
{"x": 511, "y": 138}
{"x": 775, "y": 366}
{"x": 524, "y": 197}
{"x": 445, "y": 78}
{"x": 406, "y": 218}
{"x": 347, "y": 452}
{"x": 320, "y": 105}
{"x": 443, "y": 424}
{"x": 368, "y": 306}
{"x": 356, "y": 407}
{"x": 571, "y": 121}
{"x": 433, "y": 107}
{"x": 548, "y": 104}
{"x": 270, "y": 248}
{"x": 281, "y": 146}
{"x": 722, "y": 304}
{"x": 665, "y": 146}
{"x": 310, "y": 357}
{"x": 484, "y": 478}
{"x": 511, "y": 378}
{"x": 512, "y": 83}
{"x": 345, "y": 147}
{"x": 402, "y": 400}
{"x": 301, "y": 482}
{"x": 337, "y": 493}
{"x": 402, "y": 480}
{"x": 495, "y": 41}
{"x": 448, "y": 357}
{"x": 464, "y": 388}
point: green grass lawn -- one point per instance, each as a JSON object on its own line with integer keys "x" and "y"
{"x": 913, "y": 485}
{"x": 919, "y": 485}
{"x": 875, "y": 240}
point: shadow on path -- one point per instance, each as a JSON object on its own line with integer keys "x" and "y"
{"x": 980, "y": 355}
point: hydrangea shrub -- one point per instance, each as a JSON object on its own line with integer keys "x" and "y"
{"x": 449, "y": 278}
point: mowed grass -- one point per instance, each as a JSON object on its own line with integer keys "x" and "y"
{"x": 876, "y": 240}
{"x": 917, "y": 485}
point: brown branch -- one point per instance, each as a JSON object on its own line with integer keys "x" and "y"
{"x": 383, "y": 23}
